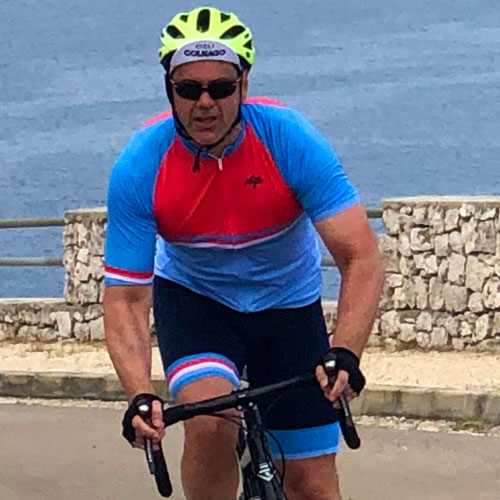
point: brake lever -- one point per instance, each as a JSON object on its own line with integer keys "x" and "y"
{"x": 155, "y": 458}
{"x": 346, "y": 421}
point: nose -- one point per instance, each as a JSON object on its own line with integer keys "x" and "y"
{"x": 205, "y": 101}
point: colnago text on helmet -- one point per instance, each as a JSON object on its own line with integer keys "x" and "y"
{"x": 204, "y": 53}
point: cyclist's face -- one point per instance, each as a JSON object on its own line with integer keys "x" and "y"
{"x": 207, "y": 119}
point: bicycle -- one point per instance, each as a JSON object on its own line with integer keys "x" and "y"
{"x": 260, "y": 477}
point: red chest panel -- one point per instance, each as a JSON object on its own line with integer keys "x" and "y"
{"x": 245, "y": 201}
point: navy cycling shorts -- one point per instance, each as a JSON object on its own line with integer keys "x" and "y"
{"x": 199, "y": 337}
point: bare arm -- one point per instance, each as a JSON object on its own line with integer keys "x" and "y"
{"x": 126, "y": 324}
{"x": 350, "y": 239}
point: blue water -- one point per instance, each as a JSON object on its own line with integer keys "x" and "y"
{"x": 407, "y": 91}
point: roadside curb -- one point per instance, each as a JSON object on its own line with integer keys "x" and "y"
{"x": 376, "y": 400}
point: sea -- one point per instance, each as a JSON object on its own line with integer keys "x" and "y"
{"x": 407, "y": 91}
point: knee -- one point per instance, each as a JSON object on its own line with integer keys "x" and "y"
{"x": 307, "y": 487}
{"x": 314, "y": 479}
{"x": 211, "y": 434}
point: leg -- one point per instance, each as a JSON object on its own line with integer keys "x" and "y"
{"x": 202, "y": 356}
{"x": 302, "y": 421}
{"x": 312, "y": 479}
{"x": 209, "y": 467}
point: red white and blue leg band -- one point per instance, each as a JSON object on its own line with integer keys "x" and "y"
{"x": 192, "y": 368}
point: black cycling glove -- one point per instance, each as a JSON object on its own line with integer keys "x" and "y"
{"x": 348, "y": 361}
{"x": 128, "y": 429}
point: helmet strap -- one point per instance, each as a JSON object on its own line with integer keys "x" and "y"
{"x": 182, "y": 131}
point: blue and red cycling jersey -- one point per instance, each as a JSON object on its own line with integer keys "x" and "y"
{"x": 239, "y": 230}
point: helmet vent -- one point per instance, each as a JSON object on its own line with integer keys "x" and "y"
{"x": 184, "y": 18}
{"x": 224, "y": 17}
{"x": 232, "y": 32}
{"x": 248, "y": 45}
{"x": 174, "y": 32}
{"x": 203, "y": 21}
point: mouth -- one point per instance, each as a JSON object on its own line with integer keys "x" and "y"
{"x": 205, "y": 122}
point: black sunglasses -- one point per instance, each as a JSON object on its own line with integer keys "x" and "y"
{"x": 192, "y": 90}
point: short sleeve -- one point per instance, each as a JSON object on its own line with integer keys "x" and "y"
{"x": 131, "y": 228}
{"x": 307, "y": 161}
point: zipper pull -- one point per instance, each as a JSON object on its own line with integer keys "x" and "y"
{"x": 219, "y": 163}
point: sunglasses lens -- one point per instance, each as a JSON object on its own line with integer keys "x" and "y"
{"x": 189, "y": 90}
{"x": 216, "y": 90}
{"x": 220, "y": 90}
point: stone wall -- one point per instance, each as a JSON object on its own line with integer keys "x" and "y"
{"x": 442, "y": 261}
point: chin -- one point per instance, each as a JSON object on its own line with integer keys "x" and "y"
{"x": 204, "y": 139}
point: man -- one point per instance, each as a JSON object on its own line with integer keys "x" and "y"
{"x": 234, "y": 189}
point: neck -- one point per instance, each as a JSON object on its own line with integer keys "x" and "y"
{"x": 228, "y": 140}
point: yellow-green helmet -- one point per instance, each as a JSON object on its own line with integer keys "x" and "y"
{"x": 209, "y": 32}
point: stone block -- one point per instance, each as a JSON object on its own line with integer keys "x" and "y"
{"x": 476, "y": 273}
{"x": 405, "y": 246}
{"x": 394, "y": 280}
{"x": 465, "y": 329}
{"x": 97, "y": 329}
{"x": 458, "y": 344}
{"x": 451, "y": 325}
{"x": 388, "y": 247}
{"x": 491, "y": 293}
{"x": 426, "y": 263}
{"x": 28, "y": 333}
{"x": 436, "y": 219}
{"x": 389, "y": 324}
{"x": 420, "y": 240}
{"x": 404, "y": 297}
{"x": 420, "y": 216}
{"x": 83, "y": 256}
{"x": 421, "y": 293}
{"x": 451, "y": 219}
{"x": 488, "y": 214}
{"x": 408, "y": 333}
{"x": 423, "y": 339}
{"x": 424, "y": 322}
{"x": 476, "y": 303}
{"x": 456, "y": 269}
{"x": 63, "y": 321}
{"x": 443, "y": 267}
{"x": 82, "y": 331}
{"x": 7, "y": 331}
{"x": 455, "y": 297}
{"x": 391, "y": 221}
{"x": 28, "y": 316}
{"x": 436, "y": 300}
{"x": 466, "y": 211}
{"x": 479, "y": 236}
{"x": 456, "y": 242}
{"x": 407, "y": 267}
{"x": 482, "y": 328}
{"x": 496, "y": 324}
{"x": 94, "y": 311}
{"x": 442, "y": 245}
{"x": 438, "y": 337}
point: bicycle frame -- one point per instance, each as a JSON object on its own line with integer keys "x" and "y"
{"x": 261, "y": 480}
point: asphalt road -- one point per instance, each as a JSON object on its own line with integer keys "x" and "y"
{"x": 54, "y": 453}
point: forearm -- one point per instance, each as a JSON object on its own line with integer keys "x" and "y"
{"x": 129, "y": 345}
{"x": 360, "y": 291}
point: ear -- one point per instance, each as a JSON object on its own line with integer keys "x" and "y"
{"x": 244, "y": 85}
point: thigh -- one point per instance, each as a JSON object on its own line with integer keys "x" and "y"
{"x": 286, "y": 343}
{"x": 195, "y": 338}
